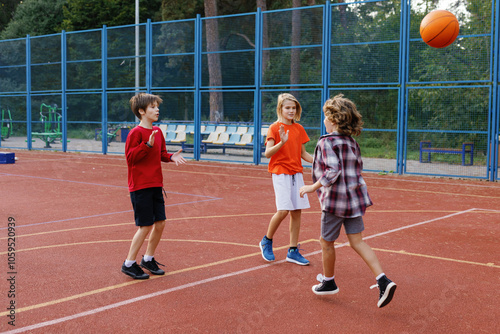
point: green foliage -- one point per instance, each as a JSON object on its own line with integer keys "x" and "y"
{"x": 179, "y": 10}
{"x": 85, "y": 14}
{"x": 35, "y": 17}
{"x": 7, "y": 9}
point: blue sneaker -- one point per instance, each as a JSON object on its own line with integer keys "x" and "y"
{"x": 266, "y": 248}
{"x": 295, "y": 257}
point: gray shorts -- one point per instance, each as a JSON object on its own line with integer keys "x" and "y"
{"x": 331, "y": 225}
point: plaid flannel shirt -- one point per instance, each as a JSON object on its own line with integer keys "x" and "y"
{"x": 338, "y": 166}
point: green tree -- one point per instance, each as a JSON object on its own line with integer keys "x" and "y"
{"x": 93, "y": 14}
{"x": 35, "y": 17}
{"x": 7, "y": 10}
{"x": 177, "y": 10}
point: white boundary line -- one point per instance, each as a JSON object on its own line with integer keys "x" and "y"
{"x": 207, "y": 280}
{"x": 402, "y": 228}
{"x": 488, "y": 210}
{"x": 457, "y": 184}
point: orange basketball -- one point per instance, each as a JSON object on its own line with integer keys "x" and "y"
{"x": 439, "y": 28}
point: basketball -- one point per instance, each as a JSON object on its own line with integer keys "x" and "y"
{"x": 439, "y": 28}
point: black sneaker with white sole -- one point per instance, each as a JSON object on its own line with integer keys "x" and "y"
{"x": 325, "y": 287}
{"x": 134, "y": 271}
{"x": 152, "y": 266}
{"x": 387, "y": 289}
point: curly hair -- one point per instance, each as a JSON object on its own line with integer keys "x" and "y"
{"x": 142, "y": 101}
{"x": 281, "y": 99}
{"x": 343, "y": 113}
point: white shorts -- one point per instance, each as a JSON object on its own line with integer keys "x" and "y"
{"x": 286, "y": 191}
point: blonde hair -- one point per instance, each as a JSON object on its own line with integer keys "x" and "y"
{"x": 142, "y": 101}
{"x": 343, "y": 113}
{"x": 281, "y": 99}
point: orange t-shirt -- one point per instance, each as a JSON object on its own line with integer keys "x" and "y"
{"x": 288, "y": 160}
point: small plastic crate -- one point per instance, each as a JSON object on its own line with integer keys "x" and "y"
{"x": 7, "y": 158}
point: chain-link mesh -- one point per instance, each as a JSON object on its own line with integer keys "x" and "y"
{"x": 425, "y": 110}
{"x": 365, "y": 43}
{"x": 441, "y": 122}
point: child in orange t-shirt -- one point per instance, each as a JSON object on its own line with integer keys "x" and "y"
{"x": 285, "y": 145}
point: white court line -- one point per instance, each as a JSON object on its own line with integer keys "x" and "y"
{"x": 493, "y": 186}
{"x": 402, "y": 228}
{"x": 488, "y": 210}
{"x": 208, "y": 280}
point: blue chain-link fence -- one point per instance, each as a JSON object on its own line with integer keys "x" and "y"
{"x": 426, "y": 111}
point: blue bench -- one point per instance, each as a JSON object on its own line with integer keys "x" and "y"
{"x": 467, "y": 148}
{"x": 218, "y": 136}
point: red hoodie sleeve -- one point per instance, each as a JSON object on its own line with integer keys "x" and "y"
{"x": 135, "y": 148}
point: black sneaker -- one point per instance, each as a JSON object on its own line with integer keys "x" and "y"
{"x": 387, "y": 289}
{"x": 152, "y": 266}
{"x": 325, "y": 287}
{"x": 134, "y": 271}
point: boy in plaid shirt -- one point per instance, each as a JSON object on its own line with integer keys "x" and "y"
{"x": 343, "y": 195}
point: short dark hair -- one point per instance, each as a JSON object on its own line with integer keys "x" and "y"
{"x": 142, "y": 101}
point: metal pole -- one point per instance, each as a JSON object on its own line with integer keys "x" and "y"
{"x": 257, "y": 112}
{"x": 104, "y": 87}
{"x": 197, "y": 84}
{"x": 64, "y": 102}
{"x": 402, "y": 97}
{"x": 28, "y": 92}
{"x": 494, "y": 113}
{"x": 325, "y": 78}
{"x": 137, "y": 46}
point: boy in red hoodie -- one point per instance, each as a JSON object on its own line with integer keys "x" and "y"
{"x": 145, "y": 150}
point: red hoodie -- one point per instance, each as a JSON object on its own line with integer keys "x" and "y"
{"x": 144, "y": 163}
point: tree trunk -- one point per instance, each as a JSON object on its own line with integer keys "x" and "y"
{"x": 214, "y": 63}
{"x": 265, "y": 35}
{"x": 295, "y": 53}
{"x": 343, "y": 15}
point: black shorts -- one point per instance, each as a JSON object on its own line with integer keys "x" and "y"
{"x": 149, "y": 206}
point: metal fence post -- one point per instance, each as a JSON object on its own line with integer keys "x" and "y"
{"x": 149, "y": 56}
{"x": 28, "y": 92}
{"x": 64, "y": 110}
{"x": 104, "y": 85}
{"x": 402, "y": 96}
{"x": 257, "y": 110}
{"x": 495, "y": 113}
{"x": 325, "y": 66}
{"x": 197, "y": 84}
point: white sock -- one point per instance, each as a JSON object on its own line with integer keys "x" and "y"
{"x": 328, "y": 278}
{"x": 380, "y": 276}
{"x": 147, "y": 258}
{"x": 129, "y": 263}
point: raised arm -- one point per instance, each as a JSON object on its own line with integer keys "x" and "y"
{"x": 271, "y": 148}
{"x": 135, "y": 148}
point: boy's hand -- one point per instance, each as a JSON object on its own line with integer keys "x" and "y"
{"x": 305, "y": 189}
{"x": 177, "y": 158}
{"x": 151, "y": 140}
{"x": 283, "y": 134}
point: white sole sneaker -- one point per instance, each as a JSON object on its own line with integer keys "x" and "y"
{"x": 322, "y": 293}
{"x": 296, "y": 262}
{"x": 388, "y": 294}
{"x": 262, "y": 253}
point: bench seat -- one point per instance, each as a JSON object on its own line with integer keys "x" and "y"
{"x": 467, "y": 148}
